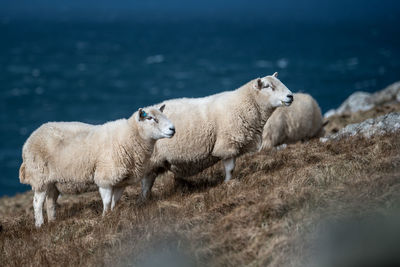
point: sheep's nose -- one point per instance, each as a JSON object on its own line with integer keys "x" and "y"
{"x": 172, "y": 129}
{"x": 290, "y": 97}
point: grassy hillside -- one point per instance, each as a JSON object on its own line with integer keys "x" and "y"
{"x": 267, "y": 215}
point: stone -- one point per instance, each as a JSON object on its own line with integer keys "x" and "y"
{"x": 370, "y": 127}
{"x": 390, "y": 93}
{"x": 362, "y": 101}
{"x": 356, "y": 102}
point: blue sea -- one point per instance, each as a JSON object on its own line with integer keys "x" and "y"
{"x": 99, "y": 71}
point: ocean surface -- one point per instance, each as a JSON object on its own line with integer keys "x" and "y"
{"x": 95, "y": 72}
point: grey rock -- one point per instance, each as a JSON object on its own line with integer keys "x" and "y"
{"x": 361, "y": 101}
{"x": 356, "y": 102}
{"x": 381, "y": 125}
{"x": 329, "y": 113}
{"x": 390, "y": 93}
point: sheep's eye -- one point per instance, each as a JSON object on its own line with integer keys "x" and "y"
{"x": 270, "y": 86}
{"x": 152, "y": 118}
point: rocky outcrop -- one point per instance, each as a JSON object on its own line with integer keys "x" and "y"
{"x": 390, "y": 93}
{"x": 337, "y": 122}
{"x": 361, "y": 101}
{"x": 380, "y": 125}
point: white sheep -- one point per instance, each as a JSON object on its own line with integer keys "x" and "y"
{"x": 301, "y": 121}
{"x": 112, "y": 156}
{"x": 218, "y": 127}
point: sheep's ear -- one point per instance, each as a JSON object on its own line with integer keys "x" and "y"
{"x": 258, "y": 84}
{"x": 162, "y": 108}
{"x": 275, "y": 75}
{"x": 142, "y": 114}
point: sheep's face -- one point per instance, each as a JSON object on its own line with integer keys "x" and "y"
{"x": 154, "y": 124}
{"x": 272, "y": 91}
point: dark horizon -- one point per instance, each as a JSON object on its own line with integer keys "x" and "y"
{"x": 235, "y": 10}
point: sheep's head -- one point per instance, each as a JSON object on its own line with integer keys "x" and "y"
{"x": 270, "y": 90}
{"x": 154, "y": 124}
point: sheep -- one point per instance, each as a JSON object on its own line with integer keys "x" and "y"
{"x": 218, "y": 127}
{"x": 112, "y": 156}
{"x": 301, "y": 121}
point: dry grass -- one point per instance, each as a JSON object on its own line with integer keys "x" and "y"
{"x": 263, "y": 217}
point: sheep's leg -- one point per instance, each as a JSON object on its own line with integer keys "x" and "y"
{"x": 51, "y": 202}
{"x": 229, "y": 165}
{"x": 147, "y": 184}
{"x": 116, "y": 195}
{"x": 38, "y": 200}
{"x": 106, "y": 195}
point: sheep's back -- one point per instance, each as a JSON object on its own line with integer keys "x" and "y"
{"x": 301, "y": 120}
{"x": 51, "y": 150}
{"x": 53, "y": 137}
{"x": 195, "y": 132}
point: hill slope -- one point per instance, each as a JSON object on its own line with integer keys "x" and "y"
{"x": 263, "y": 217}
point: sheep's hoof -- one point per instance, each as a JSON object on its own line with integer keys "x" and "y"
{"x": 232, "y": 182}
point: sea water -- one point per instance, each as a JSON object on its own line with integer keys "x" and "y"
{"x": 94, "y": 72}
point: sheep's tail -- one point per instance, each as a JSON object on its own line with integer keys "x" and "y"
{"x": 22, "y": 173}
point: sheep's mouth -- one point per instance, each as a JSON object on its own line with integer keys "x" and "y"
{"x": 286, "y": 103}
{"x": 169, "y": 135}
